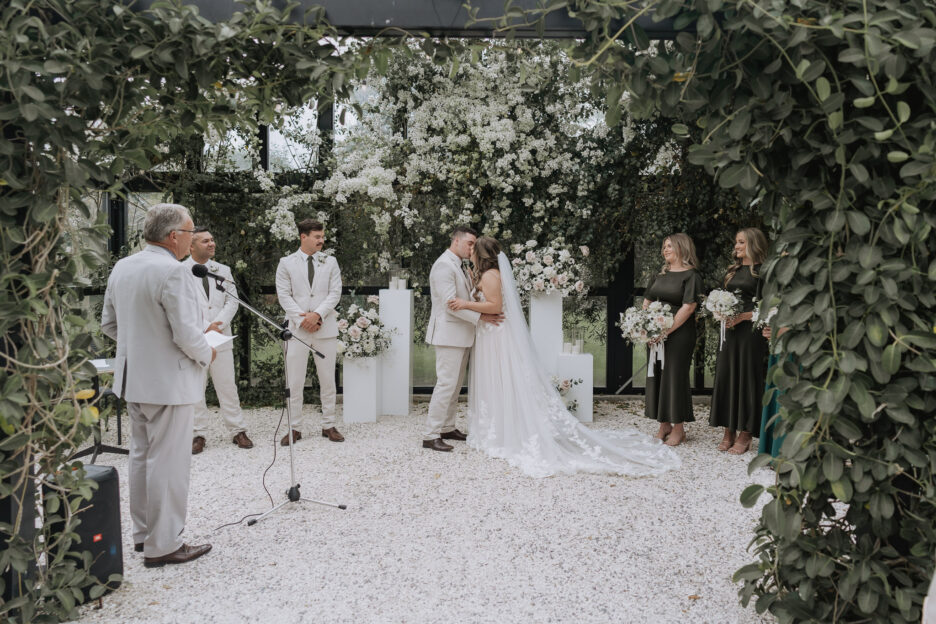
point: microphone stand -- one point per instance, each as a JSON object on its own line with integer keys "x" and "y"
{"x": 292, "y": 494}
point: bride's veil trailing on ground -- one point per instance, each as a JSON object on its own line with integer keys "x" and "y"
{"x": 517, "y": 414}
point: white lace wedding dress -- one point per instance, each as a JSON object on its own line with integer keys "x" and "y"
{"x": 516, "y": 414}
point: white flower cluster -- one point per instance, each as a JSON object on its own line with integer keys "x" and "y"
{"x": 360, "y": 332}
{"x": 722, "y": 304}
{"x": 639, "y": 326}
{"x": 762, "y": 322}
{"x": 549, "y": 269}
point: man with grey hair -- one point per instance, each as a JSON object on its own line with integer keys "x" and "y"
{"x": 151, "y": 309}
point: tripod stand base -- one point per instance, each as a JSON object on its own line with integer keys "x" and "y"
{"x": 292, "y": 494}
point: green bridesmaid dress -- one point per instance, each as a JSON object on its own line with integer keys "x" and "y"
{"x": 669, "y": 392}
{"x": 768, "y": 443}
{"x": 738, "y": 391}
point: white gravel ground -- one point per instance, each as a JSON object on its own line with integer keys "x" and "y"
{"x": 446, "y": 537}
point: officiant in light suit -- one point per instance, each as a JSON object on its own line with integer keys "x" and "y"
{"x": 308, "y": 286}
{"x": 151, "y": 309}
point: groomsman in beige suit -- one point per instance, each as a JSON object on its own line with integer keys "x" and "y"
{"x": 151, "y": 309}
{"x": 218, "y": 308}
{"x": 452, "y": 333}
{"x": 308, "y": 285}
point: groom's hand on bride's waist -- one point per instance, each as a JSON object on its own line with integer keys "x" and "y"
{"x": 493, "y": 319}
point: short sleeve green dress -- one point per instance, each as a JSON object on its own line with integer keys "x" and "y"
{"x": 669, "y": 392}
{"x": 738, "y": 390}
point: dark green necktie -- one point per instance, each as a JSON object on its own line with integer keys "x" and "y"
{"x": 311, "y": 262}
{"x": 204, "y": 281}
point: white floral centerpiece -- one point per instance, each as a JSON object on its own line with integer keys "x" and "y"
{"x": 722, "y": 305}
{"x": 550, "y": 269}
{"x": 360, "y": 331}
{"x": 639, "y": 326}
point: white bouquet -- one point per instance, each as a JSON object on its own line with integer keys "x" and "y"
{"x": 360, "y": 332}
{"x": 722, "y": 305}
{"x": 550, "y": 269}
{"x": 759, "y": 321}
{"x": 639, "y": 326}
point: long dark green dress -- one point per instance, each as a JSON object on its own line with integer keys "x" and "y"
{"x": 768, "y": 443}
{"x": 742, "y": 365}
{"x": 669, "y": 393}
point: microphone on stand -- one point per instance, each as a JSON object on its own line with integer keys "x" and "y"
{"x": 200, "y": 270}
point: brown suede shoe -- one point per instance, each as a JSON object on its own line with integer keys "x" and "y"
{"x": 242, "y": 441}
{"x": 185, "y": 554}
{"x": 437, "y": 445}
{"x": 332, "y": 434}
{"x": 296, "y": 437}
{"x": 198, "y": 445}
{"x": 454, "y": 434}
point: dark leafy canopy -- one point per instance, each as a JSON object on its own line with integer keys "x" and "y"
{"x": 827, "y": 112}
{"x": 89, "y": 93}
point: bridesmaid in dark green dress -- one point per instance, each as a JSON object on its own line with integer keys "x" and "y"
{"x": 768, "y": 443}
{"x": 668, "y": 392}
{"x": 742, "y": 361}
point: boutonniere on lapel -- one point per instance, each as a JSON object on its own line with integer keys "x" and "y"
{"x": 321, "y": 257}
{"x": 214, "y": 267}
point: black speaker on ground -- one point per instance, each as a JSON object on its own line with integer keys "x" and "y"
{"x": 99, "y": 526}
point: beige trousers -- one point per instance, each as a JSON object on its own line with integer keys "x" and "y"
{"x": 160, "y": 457}
{"x": 222, "y": 376}
{"x": 297, "y": 362}
{"x": 443, "y": 406}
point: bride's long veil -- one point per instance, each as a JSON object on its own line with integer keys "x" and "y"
{"x": 515, "y": 321}
{"x": 516, "y": 413}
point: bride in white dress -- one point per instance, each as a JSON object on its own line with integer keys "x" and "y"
{"x": 515, "y": 412}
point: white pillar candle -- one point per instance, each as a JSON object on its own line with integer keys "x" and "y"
{"x": 580, "y": 345}
{"x": 576, "y": 349}
{"x": 401, "y": 283}
{"x": 567, "y": 347}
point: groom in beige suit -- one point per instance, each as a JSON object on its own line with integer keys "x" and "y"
{"x": 151, "y": 309}
{"x": 308, "y": 286}
{"x": 452, "y": 334}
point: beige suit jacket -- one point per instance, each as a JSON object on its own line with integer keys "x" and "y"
{"x": 296, "y": 295}
{"x": 217, "y": 305}
{"x": 450, "y": 328}
{"x": 151, "y": 309}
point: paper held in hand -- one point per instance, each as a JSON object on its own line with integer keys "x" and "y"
{"x": 216, "y": 339}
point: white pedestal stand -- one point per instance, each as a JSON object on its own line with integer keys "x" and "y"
{"x": 396, "y": 313}
{"x": 546, "y": 328}
{"x": 579, "y": 366}
{"x": 361, "y": 388}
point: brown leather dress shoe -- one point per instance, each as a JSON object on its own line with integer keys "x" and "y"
{"x": 242, "y": 441}
{"x": 332, "y": 434}
{"x": 198, "y": 445}
{"x": 185, "y": 554}
{"x": 454, "y": 434}
{"x": 437, "y": 445}
{"x": 296, "y": 437}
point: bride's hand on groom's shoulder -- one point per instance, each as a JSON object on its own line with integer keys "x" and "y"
{"x": 457, "y": 304}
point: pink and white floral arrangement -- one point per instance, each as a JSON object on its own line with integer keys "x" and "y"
{"x": 553, "y": 268}
{"x": 360, "y": 332}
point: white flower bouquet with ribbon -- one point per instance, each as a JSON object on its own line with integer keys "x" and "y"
{"x": 639, "y": 326}
{"x": 722, "y": 305}
{"x": 360, "y": 332}
{"x": 549, "y": 269}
